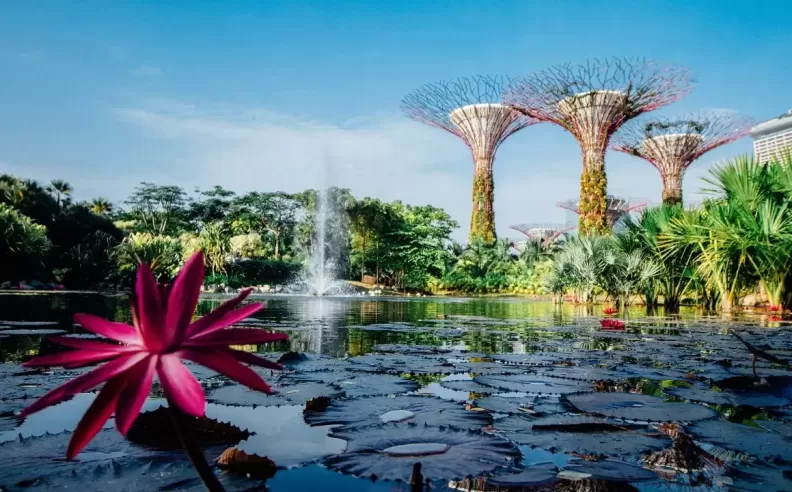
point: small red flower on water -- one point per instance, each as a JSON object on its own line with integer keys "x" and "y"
{"x": 162, "y": 334}
{"x": 774, "y": 308}
{"x": 612, "y": 324}
{"x": 610, "y": 310}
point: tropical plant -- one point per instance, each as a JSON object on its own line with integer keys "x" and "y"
{"x": 61, "y": 191}
{"x": 101, "y": 206}
{"x": 163, "y": 254}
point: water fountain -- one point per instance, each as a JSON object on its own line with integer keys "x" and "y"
{"x": 321, "y": 271}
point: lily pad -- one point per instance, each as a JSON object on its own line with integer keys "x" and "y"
{"x": 744, "y": 439}
{"x": 639, "y": 407}
{"x": 534, "y": 384}
{"x": 401, "y": 348}
{"x": 109, "y": 460}
{"x": 531, "y": 476}
{"x": 155, "y": 429}
{"x": 734, "y": 398}
{"x": 582, "y": 435}
{"x": 39, "y": 332}
{"x": 615, "y": 471}
{"x": 296, "y": 394}
{"x": 389, "y": 451}
{"x": 532, "y": 405}
{"x": 398, "y": 364}
{"x": 469, "y": 386}
{"x": 421, "y": 410}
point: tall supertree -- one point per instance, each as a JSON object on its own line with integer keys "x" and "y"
{"x": 592, "y": 101}
{"x": 470, "y": 109}
{"x": 615, "y": 208}
{"x": 672, "y": 144}
{"x": 546, "y": 233}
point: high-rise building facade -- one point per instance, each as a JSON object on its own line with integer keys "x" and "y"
{"x": 773, "y": 138}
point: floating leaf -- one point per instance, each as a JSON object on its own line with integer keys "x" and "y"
{"x": 616, "y": 471}
{"x": 742, "y": 438}
{"x": 633, "y": 406}
{"x": 532, "y": 405}
{"x": 414, "y": 364}
{"x": 389, "y": 451}
{"x": 421, "y": 410}
{"x": 534, "y": 384}
{"x": 296, "y": 394}
{"x": 582, "y": 435}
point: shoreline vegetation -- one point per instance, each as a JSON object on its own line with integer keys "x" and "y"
{"x": 729, "y": 252}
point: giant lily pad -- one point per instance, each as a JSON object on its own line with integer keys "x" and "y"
{"x": 638, "y": 407}
{"x": 582, "y": 435}
{"x": 744, "y": 439}
{"x": 532, "y": 476}
{"x": 109, "y": 460}
{"x": 534, "y": 384}
{"x": 399, "y": 364}
{"x": 389, "y": 451}
{"x": 469, "y": 386}
{"x": 296, "y": 394}
{"x": 532, "y": 405}
{"x": 616, "y": 471}
{"x": 422, "y": 410}
{"x": 155, "y": 429}
{"x": 734, "y": 398}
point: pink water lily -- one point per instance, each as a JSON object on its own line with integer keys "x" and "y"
{"x": 161, "y": 335}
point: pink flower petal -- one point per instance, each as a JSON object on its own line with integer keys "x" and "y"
{"x": 85, "y": 382}
{"x": 150, "y": 309}
{"x": 183, "y": 298}
{"x": 229, "y": 319}
{"x": 96, "y": 416}
{"x": 110, "y": 329}
{"x": 181, "y": 388}
{"x": 235, "y": 336}
{"x": 71, "y": 359}
{"x": 210, "y": 319}
{"x": 92, "y": 345}
{"x": 226, "y": 365}
{"x": 251, "y": 359}
{"x": 138, "y": 386}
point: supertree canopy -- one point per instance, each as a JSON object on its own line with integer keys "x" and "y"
{"x": 672, "y": 144}
{"x": 470, "y": 109}
{"x": 592, "y": 101}
{"x": 546, "y": 233}
{"x": 615, "y": 208}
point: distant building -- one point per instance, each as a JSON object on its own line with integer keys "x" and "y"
{"x": 773, "y": 137}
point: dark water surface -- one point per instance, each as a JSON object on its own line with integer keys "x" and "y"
{"x": 523, "y": 393}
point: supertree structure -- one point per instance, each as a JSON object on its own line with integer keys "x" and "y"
{"x": 615, "y": 208}
{"x": 591, "y": 101}
{"x": 470, "y": 109}
{"x": 546, "y": 233}
{"x": 672, "y": 144}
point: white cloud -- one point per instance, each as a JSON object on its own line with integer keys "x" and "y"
{"x": 144, "y": 70}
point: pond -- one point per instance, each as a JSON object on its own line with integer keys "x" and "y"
{"x": 486, "y": 393}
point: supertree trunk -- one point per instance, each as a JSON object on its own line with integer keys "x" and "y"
{"x": 593, "y": 192}
{"x": 672, "y": 188}
{"x": 482, "y": 220}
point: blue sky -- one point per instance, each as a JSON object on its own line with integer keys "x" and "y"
{"x": 263, "y": 95}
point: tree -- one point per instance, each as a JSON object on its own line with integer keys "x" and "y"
{"x": 371, "y": 222}
{"x": 163, "y": 254}
{"x": 12, "y": 189}
{"x": 212, "y": 205}
{"x": 101, "y": 206}
{"x": 157, "y": 209}
{"x": 272, "y": 213}
{"x": 61, "y": 191}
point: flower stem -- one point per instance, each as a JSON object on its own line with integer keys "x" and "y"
{"x": 193, "y": 450}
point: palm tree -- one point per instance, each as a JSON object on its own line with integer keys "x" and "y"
{"x": 743, "y": 235}
{"x": 101, "y": 206}
{"x": 61, "y": 190}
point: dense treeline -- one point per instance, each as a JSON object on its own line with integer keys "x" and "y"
{"x": 737, "y": 243}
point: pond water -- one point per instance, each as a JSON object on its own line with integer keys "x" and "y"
{"x": 517, "y": 394}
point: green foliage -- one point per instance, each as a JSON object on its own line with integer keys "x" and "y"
{"x": 162, "y": 253}
{"x": 743, "y": 235}
{"x": 482, "y": 220}
{"x": 23, "y": 244}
